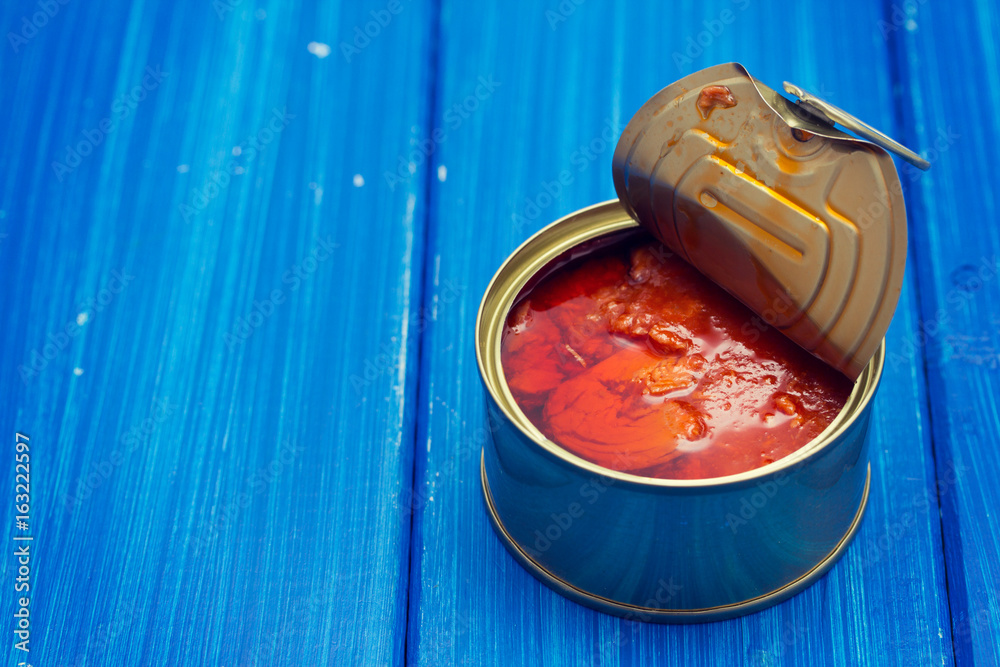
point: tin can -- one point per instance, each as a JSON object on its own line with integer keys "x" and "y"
{"x": 767, "y": 198}
{"x": 654, "y": 549}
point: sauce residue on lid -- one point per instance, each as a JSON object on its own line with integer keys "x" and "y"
{"x": 631, "y": 359}
{"x": 712, "y": 97}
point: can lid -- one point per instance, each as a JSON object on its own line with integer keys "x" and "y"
{"x": 803, "y": 223}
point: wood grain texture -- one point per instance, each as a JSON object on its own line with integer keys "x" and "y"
{"x": 562, "y": 81}
{"x": 259, "y": 444}
{"x": 209, "y": 493}
{"x": 950, "y": 65}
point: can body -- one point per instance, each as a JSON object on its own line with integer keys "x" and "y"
{"x": 654, "y": 549}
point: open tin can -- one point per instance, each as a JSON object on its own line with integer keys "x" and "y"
{"x": 717, "y": 177}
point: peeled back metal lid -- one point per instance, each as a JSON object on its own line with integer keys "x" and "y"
{"x": 801, "y": 222}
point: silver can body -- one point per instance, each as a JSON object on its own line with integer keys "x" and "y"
{"x": 654, "y": 549}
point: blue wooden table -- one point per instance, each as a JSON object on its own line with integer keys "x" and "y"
{"x": 243, "y": 244}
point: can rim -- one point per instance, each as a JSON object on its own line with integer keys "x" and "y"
{"x": 489, "y": 326}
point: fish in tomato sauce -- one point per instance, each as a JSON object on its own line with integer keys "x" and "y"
{"x": 629, "y": 358}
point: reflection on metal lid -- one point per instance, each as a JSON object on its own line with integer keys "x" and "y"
{"x": 801, "y": 222}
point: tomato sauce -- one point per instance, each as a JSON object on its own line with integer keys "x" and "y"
{"x": 630, "y": 358}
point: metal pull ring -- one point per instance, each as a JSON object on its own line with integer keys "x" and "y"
{"x": 831, "y": 114}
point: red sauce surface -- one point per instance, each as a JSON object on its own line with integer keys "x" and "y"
{"x": 630, "y": 358}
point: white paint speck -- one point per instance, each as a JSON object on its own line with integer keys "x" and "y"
{"x": 183, "y": 168}
{"x": 359, "y": 180}
{"x": 318, "y": 196}
{"x": 237, "y": 150}
{"x": 442, "y": 173}
{"x": 82, "y": 318}
{"x": 911, "y": 25}
{"x": 413, "y": 168}
{"x": 319, "y": 49}
{"x": 78, "y": 371}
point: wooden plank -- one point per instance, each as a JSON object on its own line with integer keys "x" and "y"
{"x": 562, "y": 78}
{"x": 950, "y": 82}
{"x": 221, "y": 446}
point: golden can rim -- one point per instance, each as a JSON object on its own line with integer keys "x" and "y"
{"x": 586, "y": 224}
